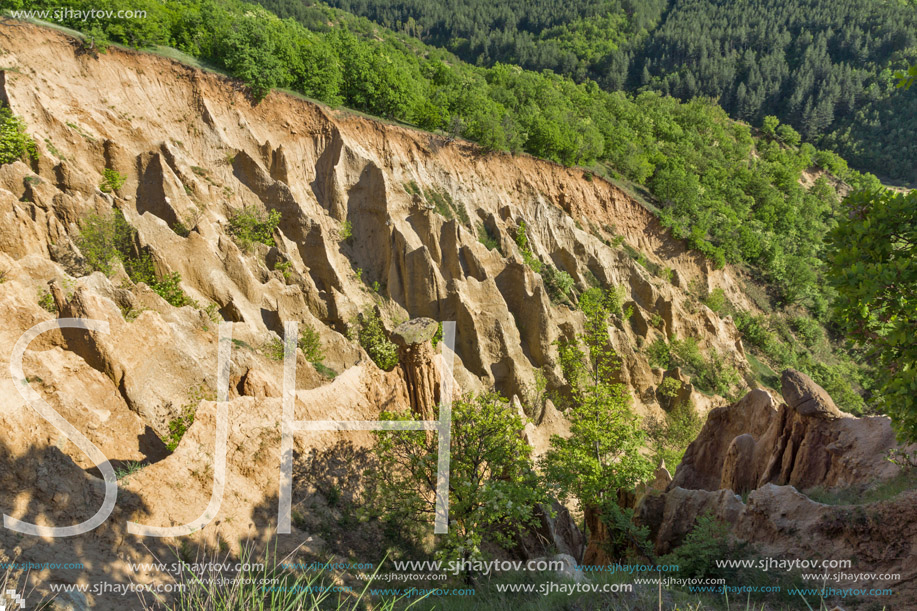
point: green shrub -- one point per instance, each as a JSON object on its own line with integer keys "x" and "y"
{"x": 346, "y": 231}
{"x": 716, "y": 300}
{"x": 46, "y": 301}
{"x": 522, "y": 241}
{"x": 659, "y": 353}
{"x": 273, "y": 349}
{"x": 807, "y": 329}
{"x": 324, "y": 370}
{"x": 14, "y": 143}
{"x": 169, "y": 288}
{"x": 438, "y": 336}
{"x": 177, "y": 429}
{"x": 251, "y": 225}
{"x": 371, "y": 334}
{"x": 310, "y": 342}
{"x": 669, "y": 388}
{"x": 670, "y": 435}
{"x": 105, "y": 239}
{"x": 485, "y": 238}
{"x": 558, "y": 284}
{"x": 708, "y": 542}
{"x": 111, "y": 180}
{"x": 284, "y": 268}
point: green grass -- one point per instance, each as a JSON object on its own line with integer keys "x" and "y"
{"x": 764, "y": 374}
{"x": 290, "y": 589}
{"x": 129, "y": 468}
{"x": 871, "y": 493}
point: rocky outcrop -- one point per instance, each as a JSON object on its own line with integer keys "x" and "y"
{"x": 880, "y": 538}
{"x": 769, "y": 451}
{"x": 804, "y": 442}
{"x": 415, "y": 356}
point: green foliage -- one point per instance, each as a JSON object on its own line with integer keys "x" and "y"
{"x": 178, "y": 426}
{"x": 46, "y": 301}
{"x": 371, "y": 334}
{"x": 14, "y": 142}
{"x": 438, "y": 336}
{"x": 310, "y": 342}
{"x": 558, "y": 284}
{"x": 252, "y": 225}
{"x": 708, "y": 373}
{"x": 105, "y": 239}
{"x": 670, "y": 436}
{"x": 112, "y": 180}
{"x": 669, "y": 387}
{"x": 808, "y": 330}
{"x": 284, "y": 268}
{"x": 274, "y": 349}
{"x": 109, "y": 238}
{"x": 602, "y": 453}
{"x": 625, "y": 538}
{"x": 659, "y": 354}
{"x": 128, "y": 468}
{"x": 716, "y": 300}
{"x": 596, "y": 302}
{"x": 522, "y": 241}
{"x": 906, "y": 79}
{"x": 769, "y": 125}
{"x": 873, "y": 268}
{"x": 485, "y": 238}
{"x": 708, "y": 542}
{"x": 169, "y": 288}
{"x": 492, "y": 486}
{"x": 346, "y": 231}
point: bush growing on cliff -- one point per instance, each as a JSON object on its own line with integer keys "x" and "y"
{"x": 492, "y": 487}
{"x": 14, "y": 142}
{"x": 370, "y": 332}
{"x": 112, "y": 180}
{"x": 106, "y": 239}
{"x": 251, "y": 225}
{"x": 602, "y": 455}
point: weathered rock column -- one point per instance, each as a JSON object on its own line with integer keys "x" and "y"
{"x": 415, "y": 353}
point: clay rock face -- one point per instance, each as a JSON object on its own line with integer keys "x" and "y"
{"x": 415, "y": 353}
{"x": 804, "y": 442}
{"x": 807, "y": 397}
{"x": 880, "y": 538}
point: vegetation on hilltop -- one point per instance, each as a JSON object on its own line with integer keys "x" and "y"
{"x": 824, "y": 67}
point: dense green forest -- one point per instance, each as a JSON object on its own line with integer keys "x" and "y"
{"x": 734, "y": 194}
{"x": 823, "y": 66}
{"x": 576, "y": 39}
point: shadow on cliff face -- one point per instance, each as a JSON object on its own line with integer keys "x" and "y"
{"x": 44, "y": 486}
{"x": 334, "y": 507}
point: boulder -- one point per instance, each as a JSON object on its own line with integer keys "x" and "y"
{"x": 804, "y": 442}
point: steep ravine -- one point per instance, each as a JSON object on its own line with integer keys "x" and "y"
{"x": 191, "y": 144}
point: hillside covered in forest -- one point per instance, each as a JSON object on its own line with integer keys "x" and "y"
{"x": 823, "y": 66}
